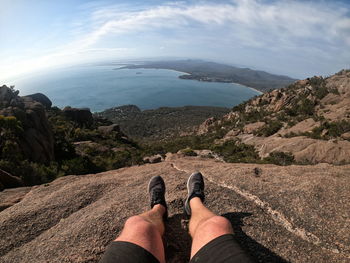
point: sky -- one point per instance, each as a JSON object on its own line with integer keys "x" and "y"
{"x": 298, "y": 38}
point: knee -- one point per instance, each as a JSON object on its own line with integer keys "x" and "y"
{"x": 137, "y": 224}
{"x": 216, "y": 224}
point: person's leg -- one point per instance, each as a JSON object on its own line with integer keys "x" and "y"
{"x": 205, "y": 226}
{"x": 142, "y": 234}
{"x": 146, "y": 230}
{"x": 212, "y": 235}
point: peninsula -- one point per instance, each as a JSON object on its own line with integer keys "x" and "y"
{"x": 214, "y": 72}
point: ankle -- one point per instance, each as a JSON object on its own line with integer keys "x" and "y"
{"x": 195, "y": 202}
{"x": 160, "y": 209}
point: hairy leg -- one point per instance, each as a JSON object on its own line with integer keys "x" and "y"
{"x": 146, "y": 230}
{"x": 205, "y": 226}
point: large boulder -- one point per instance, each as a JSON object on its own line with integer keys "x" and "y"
{"x": 82, "y": 116}
{"x": 39, "y": 97}
{"x": 8, "y": 97}
{"x": 109, "y": 129}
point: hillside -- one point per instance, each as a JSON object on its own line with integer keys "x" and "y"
{"x": 281, "y": 214}
{"x": 215, "y": 72}
{"x": 160, "y": 123}
{"x": 307, "y": 122}
{"x": 39, "y": 142}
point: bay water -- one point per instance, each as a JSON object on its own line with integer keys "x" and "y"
{"x": 102, "y": 87}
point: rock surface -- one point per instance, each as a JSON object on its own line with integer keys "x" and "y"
{"x": 305, "y": 150}
{"x": 9, "y": 197}
{"x": 283, "y": 214}
{"x": 310, "y": 120}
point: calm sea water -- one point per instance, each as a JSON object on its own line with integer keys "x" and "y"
{"x": 102, "y": 87}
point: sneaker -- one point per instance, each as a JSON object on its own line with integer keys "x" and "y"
{"x": 195, "y": 188}
{"x": 156, "y": 190}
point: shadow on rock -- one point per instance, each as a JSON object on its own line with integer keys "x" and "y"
{"x": 257, "y": 251}
{"x": 177, "y": 239}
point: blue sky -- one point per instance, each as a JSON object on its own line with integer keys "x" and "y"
{"x": 296, "y": 38}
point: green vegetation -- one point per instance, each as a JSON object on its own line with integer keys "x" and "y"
{"x": 236, "y": 152}
{"x": 302, "y": 108}
{"x": 105, "y": 152}
{"x": 269, "y": 128}
{"x": 188, "y": 152}
{"x": 280, "y": 158}
{"x": 161, "y": 123}
{"x": 328, "y": 130}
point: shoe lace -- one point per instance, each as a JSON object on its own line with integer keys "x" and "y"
{"x": 156, "y": 195}
{"x": 197, "y": 188}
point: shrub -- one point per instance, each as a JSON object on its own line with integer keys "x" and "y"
{"x": 189, "y": 152}
{"x": 269, "y": 128}
{"x": 235, "y": 151}
{"x": 334, "y": 129}
{"x": 78, "y": 165}
{"x": 302, "y": 108}
{"x": 280, "y": 158}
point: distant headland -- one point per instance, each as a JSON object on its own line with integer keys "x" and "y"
{"x": 215, "y": 72}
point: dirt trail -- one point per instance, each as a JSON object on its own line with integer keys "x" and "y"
{"x": 283, "y": 214}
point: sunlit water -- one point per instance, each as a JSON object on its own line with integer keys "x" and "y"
{"x": 102, "y": 87}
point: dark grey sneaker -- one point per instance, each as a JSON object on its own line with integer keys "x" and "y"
{"x": 156, "y": 190}
{"x": 195, "y": 188}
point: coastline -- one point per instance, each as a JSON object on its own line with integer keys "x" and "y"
{"x": 182, "y": 73}
{"x": 186, "y": 73}
{"x": 260, "y": 92}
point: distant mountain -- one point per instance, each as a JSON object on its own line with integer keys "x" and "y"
{"x": 215, "y": 72}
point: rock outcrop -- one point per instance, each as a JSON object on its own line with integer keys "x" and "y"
{"x": 279, "y": 213}
{"x": 83, "y": 116}
{"x": 110, "y": 129}
{"x": 36, "y": 141}
{"x": 10, "y": 197}
{"x": 309, "y": 119}
{"x": 39, "y": 97}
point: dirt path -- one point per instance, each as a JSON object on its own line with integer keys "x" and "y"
{"x": 283, "y": 214}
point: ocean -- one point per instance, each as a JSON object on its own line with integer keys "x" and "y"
{"x": 102, "y": 87}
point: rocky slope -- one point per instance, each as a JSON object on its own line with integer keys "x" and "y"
{"x": 279, "y": 214}
{"x": 310, "y": 119}
{"x": 39, "y": 143}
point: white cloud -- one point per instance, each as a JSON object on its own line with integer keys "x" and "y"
{"x": 292, "y": 19}
{"x": 304, "y": 26}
